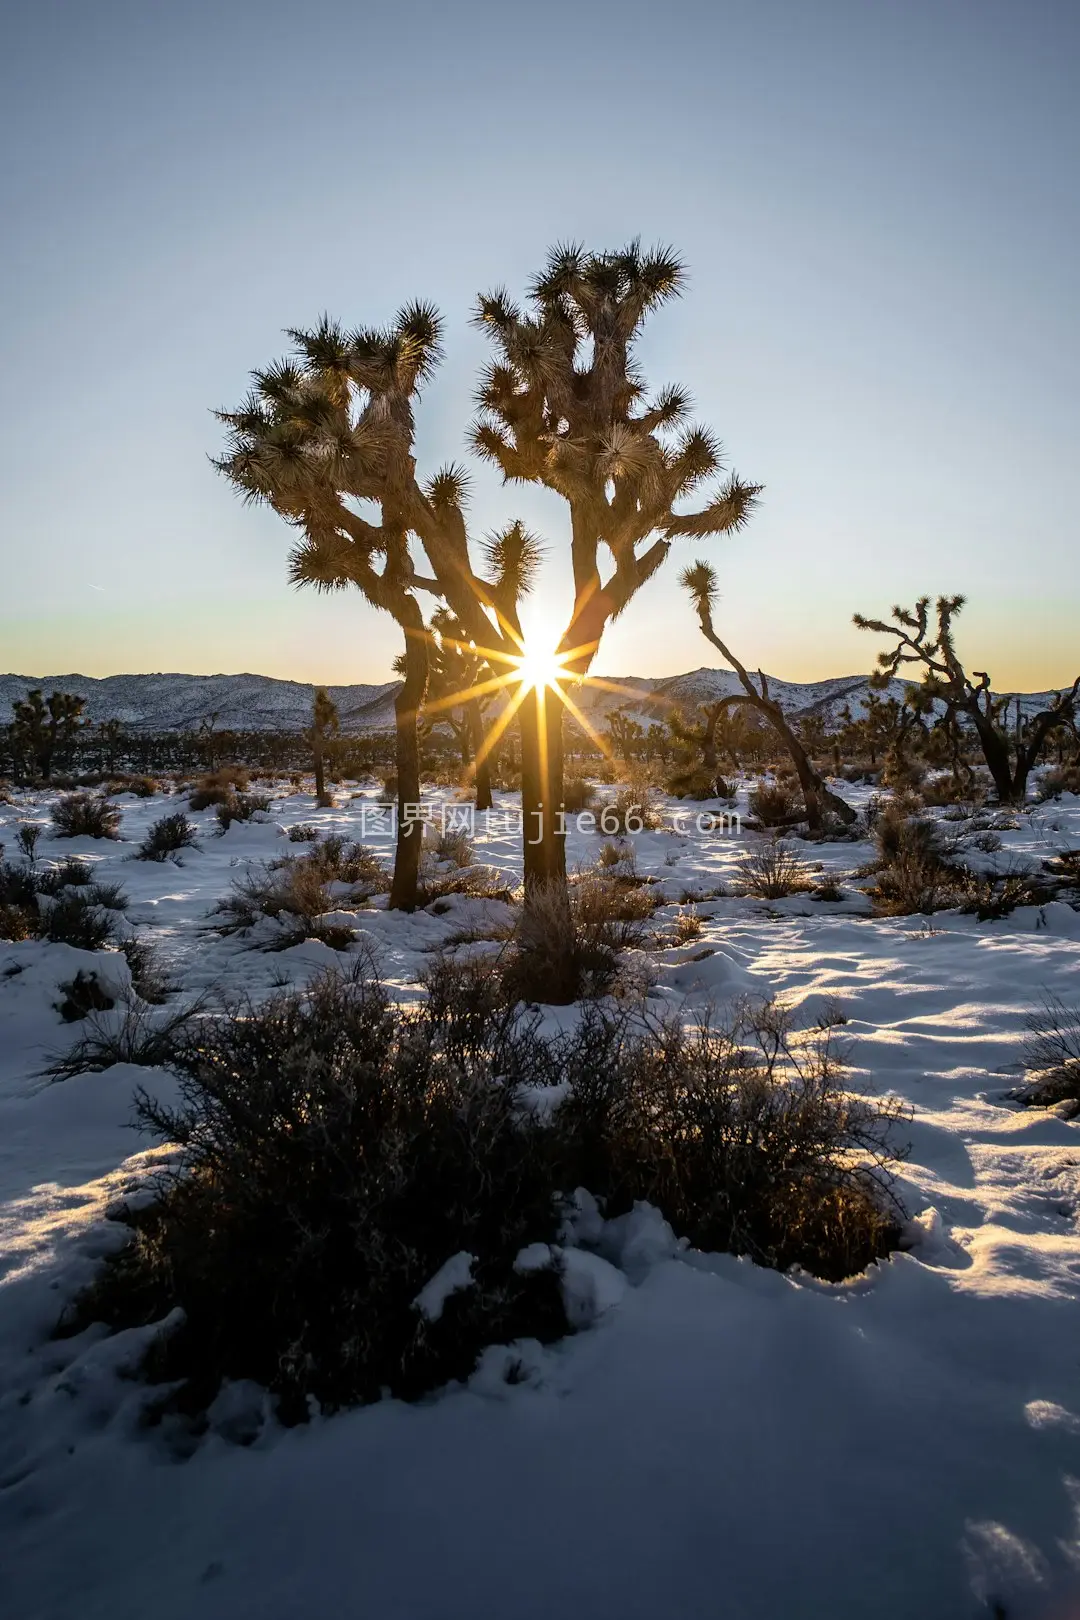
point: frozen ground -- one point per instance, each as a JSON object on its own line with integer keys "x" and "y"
{"x": 720, "y": 1441}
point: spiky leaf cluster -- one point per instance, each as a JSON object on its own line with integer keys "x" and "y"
{"x": 564, "y": 404}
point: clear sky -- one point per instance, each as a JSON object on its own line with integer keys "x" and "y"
{"x": 877, "y": 200}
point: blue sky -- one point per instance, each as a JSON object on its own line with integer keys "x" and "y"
{"x": 877, "y": 203}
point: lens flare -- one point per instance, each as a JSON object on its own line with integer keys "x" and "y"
{"x": 540, "y": 664}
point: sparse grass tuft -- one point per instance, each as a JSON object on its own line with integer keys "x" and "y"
{"x": 773, "y": 871}
{"x": 1052, "y": 1055}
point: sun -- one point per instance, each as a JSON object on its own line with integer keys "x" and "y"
{"x": 541, "y": 664}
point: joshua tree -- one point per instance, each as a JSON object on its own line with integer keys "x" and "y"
{"x": 43, "y": 732}
{"x": 325, "y": 726}
{"x": 564, "y": 404}
{"x": 1009, "y": 755}
{"x": 625, "y": 734}
{"x": 819, "y": 800}
{"x": 318, "y": 433}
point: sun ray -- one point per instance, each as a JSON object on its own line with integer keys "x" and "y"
{"x": 501, "y": 724}
{"x": 586, "y": 725}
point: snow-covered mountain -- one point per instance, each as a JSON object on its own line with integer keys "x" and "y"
{"x": 261, "y": 703}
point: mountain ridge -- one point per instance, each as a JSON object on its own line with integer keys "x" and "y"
{"x": 248, "y": 702}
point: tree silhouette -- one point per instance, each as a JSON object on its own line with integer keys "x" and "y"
{"x": 1009, "y": 756}
{"x": 819, "y": 800}
{"x": 320, "y": 736}
{"x": 44, "y": 731}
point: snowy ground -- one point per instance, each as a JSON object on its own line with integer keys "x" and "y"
{"x": 721, "y": 1441}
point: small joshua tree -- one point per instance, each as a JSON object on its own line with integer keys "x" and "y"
{"x": 461, "y": 685}
{"x": 819, "y": 800}
{"x": 44, "y": 731}
{"x": 324, "y": 728}
{"x": 1010, "y": 755}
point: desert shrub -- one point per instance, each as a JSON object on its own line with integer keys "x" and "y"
{"x": 302, "y": 832}
{"x": 452, "y": 846}
{"x": 324, "y": 800}
{"x": 294, "y": 895}
{"x": 85, "y": 815}
{"x": 578, "y": 795}
{"x": 337, "y": 1152}
{"x": 15, "y": 923}
{"x": 166, "y": 836}
{"x": 70, "y": 873}
{"x": 1058, "y": 779}
{"x": 480, "y": 882}
{"x": 241, "y": 807}
{"x": 773, "y": 871}
{"x": 630, "y": 812}
{"x": 77, "y": 917}
{"x": 912, "y": 875}
{"x": 776, "y": 804}
{"x": 949, "y": 789}
{"x": 390, "y": 788}
{"x": 827, "y": 889}
{"x": 566, "y": 947}
{"x": 987, "y": 841}
{"x": 991, "y": 896}
{"x": 1052, "y": 1055}
{"x": 742, "y": 1134}
{"x": 298, "y": 891}
{"x": 688, "y": 924}
{"x": 217, "y": 787}
{"x": 143, "y": 787}
{"x": 698, "y": 782}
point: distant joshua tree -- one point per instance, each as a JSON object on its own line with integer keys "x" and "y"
{"x": 44, "y": 731}
{"x": 820, "y": 802}
{"x": 461, "y": 685}
{"x": 321, "y": 735}
{"x": 1010, "y": 753}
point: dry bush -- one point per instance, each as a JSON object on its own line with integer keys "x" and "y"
{"x": 1058, "y": 779}
{"x": 143, "y": 787}
{"x": 166, "y": 837}
{"x": 83, "y": 995}
{"x": 1052, "y": 1055}
{"x": 950, "y": 790}
{"x": 296, "y": 892}
{"x": 773, "y": 871}
{"x": 698, "y": 782}
{"x": 85, "y": 815}
{"x": 742, "y": 1134}
{"x": 217, "y": 787}
{"x": 241, "y": 807}
{"x": 336, "y": 1151}
{"x": 578, "y": 795}
{"x": 913, "y": 876}
{"x": 991, "y": 896}
{"x": 776, "y": 804}
{"x": 302, "y": 832}
{"x": 568, "y": 945}
{"x": 632, "y": 811}
{"x": 688, "y": 924}
{"x": 454, "y": 847}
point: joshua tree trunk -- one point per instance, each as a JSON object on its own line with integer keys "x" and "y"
{"x": 320, "y": 774}
{"x": 410, "y": 832}
{"x": 540, "y": 720}
{"x": 480, "y": 754}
